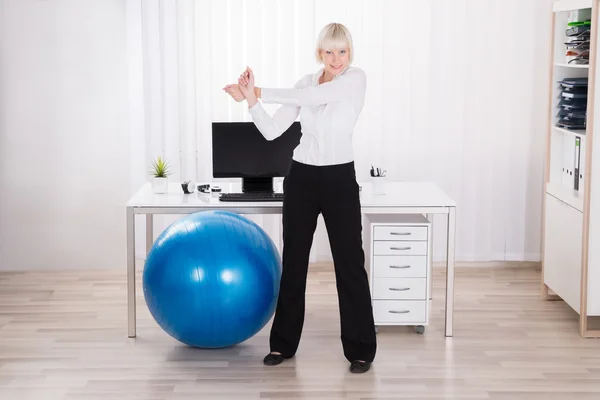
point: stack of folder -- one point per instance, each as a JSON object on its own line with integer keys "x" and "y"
{"x": 573, "y": 103}
{"x": 578, "y": 42}
{"x": 572, "y": 115}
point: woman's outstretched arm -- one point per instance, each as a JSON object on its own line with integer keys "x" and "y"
{"x": 351, "y": 84}
{"x": 270, "y": 127}
{"x": 273, "y": 127}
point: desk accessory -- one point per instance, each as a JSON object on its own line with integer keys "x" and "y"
{"x": 188, "y": 187}
{"x": 204, "y": 188}
{"x": 377, "y": 172}
{"x": 215, "y": 190}
{"x": 378, "y": 179}
{"x": 160, "y": 172}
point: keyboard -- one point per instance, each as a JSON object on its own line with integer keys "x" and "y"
{"x": 250, "y": 196}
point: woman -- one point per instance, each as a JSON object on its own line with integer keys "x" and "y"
{"x": 321, "y": 179}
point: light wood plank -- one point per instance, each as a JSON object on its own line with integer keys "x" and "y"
{"x": 63, "y": 335}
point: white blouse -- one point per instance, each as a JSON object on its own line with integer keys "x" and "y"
{"x": 328, "y": 114}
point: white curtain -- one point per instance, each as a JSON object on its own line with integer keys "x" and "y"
{"x": 457, "y": 95}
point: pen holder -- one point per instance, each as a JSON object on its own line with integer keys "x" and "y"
{"x": 378, "y": 184}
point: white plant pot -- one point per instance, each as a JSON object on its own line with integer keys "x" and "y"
{"x": 160, "y": 185}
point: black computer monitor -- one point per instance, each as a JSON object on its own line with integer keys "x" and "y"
{"x": 239, "y": 150}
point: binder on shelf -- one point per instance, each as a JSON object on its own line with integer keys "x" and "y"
{"x": 581, "y": 165}
{"x": 573, "y": 162}
{"x": 568, "y": 164}
{"x": 577, "y": 166}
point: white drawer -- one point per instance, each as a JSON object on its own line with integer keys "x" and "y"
{"x": 400, "y": 312}
{"x": 400, "y": 232}
{"x": 383, "y": 248}
{"x": 400, "y": 266}
{"x": 400, "y": 288}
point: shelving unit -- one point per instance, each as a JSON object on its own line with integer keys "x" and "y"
{"x": 571, "y": 224}
{"x": 571, "y": 66}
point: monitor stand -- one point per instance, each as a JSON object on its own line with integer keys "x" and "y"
{"x": 260, "y": 185}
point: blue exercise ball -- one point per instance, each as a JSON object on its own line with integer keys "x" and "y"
{"x": 211, "y": 279}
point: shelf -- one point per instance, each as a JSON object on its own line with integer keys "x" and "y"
{"x": 576, "y": 66}
{"x": 571, "y": 197}
{"x": 574, "y": 132}
{"x": 568, "y": 5}
{"x": 571, "y": 256}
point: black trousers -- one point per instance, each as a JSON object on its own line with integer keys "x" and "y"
{"x": 333, "y": 191}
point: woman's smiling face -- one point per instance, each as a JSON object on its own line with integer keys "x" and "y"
{"x": 335, "y": 60}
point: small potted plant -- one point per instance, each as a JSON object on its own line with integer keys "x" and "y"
{"x": 160, "y": 173}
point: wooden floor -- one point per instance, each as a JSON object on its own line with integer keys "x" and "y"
{"x": 63, "y": 336}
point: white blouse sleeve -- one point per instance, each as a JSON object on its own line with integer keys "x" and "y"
{"x": 350, "y": 84}
{"x": 273, "y": 127}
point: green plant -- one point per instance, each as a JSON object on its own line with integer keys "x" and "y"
{"x": 160, "y": 168}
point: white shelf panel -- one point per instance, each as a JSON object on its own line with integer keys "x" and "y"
{"x": 575, "y": 66}
{"x": 574, "y": 132}
{"x": 571, "y": 197}
{"x": 568, "y": 5}
{"x": 562, "y": 251}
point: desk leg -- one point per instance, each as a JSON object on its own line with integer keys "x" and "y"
{"x": 149, "y": 232}
{"x": 280, "y": 223}
{"x": 430, "y": 272}
{"x": 131, "y": 272}
{"x": 450, "y": 270}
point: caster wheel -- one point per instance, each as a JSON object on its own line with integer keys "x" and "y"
{"x": 420, "y": 329}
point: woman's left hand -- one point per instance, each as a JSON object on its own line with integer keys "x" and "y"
{"x": 247, "y": 79}
{"x": 250, "y": 79}
{"x": 246, "y": 82}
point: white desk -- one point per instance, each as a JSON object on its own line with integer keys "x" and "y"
{"x": 400, "y": 198}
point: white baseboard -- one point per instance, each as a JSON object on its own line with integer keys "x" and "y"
{"x": 475, "y": 261}
{"x": 438, "y": 264}
{"x": 490, "y": 264}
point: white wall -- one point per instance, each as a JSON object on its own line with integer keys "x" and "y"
{"x": 64, "y": 147}
{"x": 462, "y": 103}
{"x": 86, "y": 99}
{"x": 2, "y": 125}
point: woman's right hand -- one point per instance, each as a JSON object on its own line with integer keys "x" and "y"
{"x": 235, "y": 92}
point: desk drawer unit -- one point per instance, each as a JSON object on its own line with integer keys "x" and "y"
{"x": 398, "y": 250}
{"x": 400, "y": 232}
{"x": 399, "y": 288}
{"x": 410, "y": 312}
{"x": 395, "y": 248}
{"x": 400, "y": 266}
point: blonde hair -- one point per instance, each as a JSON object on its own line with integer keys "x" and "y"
{"x": 334, "y": 36}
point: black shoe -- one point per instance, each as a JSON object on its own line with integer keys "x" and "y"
{"x": 358, "y": 367}
{"x": 274, "y": 359}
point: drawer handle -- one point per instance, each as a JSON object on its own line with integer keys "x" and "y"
{"x": 399, "y": 311}
{"x": 404, "y": 289}
{"x": 400, "y": 233}
{"x": 400, "y": 248}
{"x": 400, "y": 266}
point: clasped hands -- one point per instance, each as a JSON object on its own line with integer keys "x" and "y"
{"x": 244, "y": 89}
